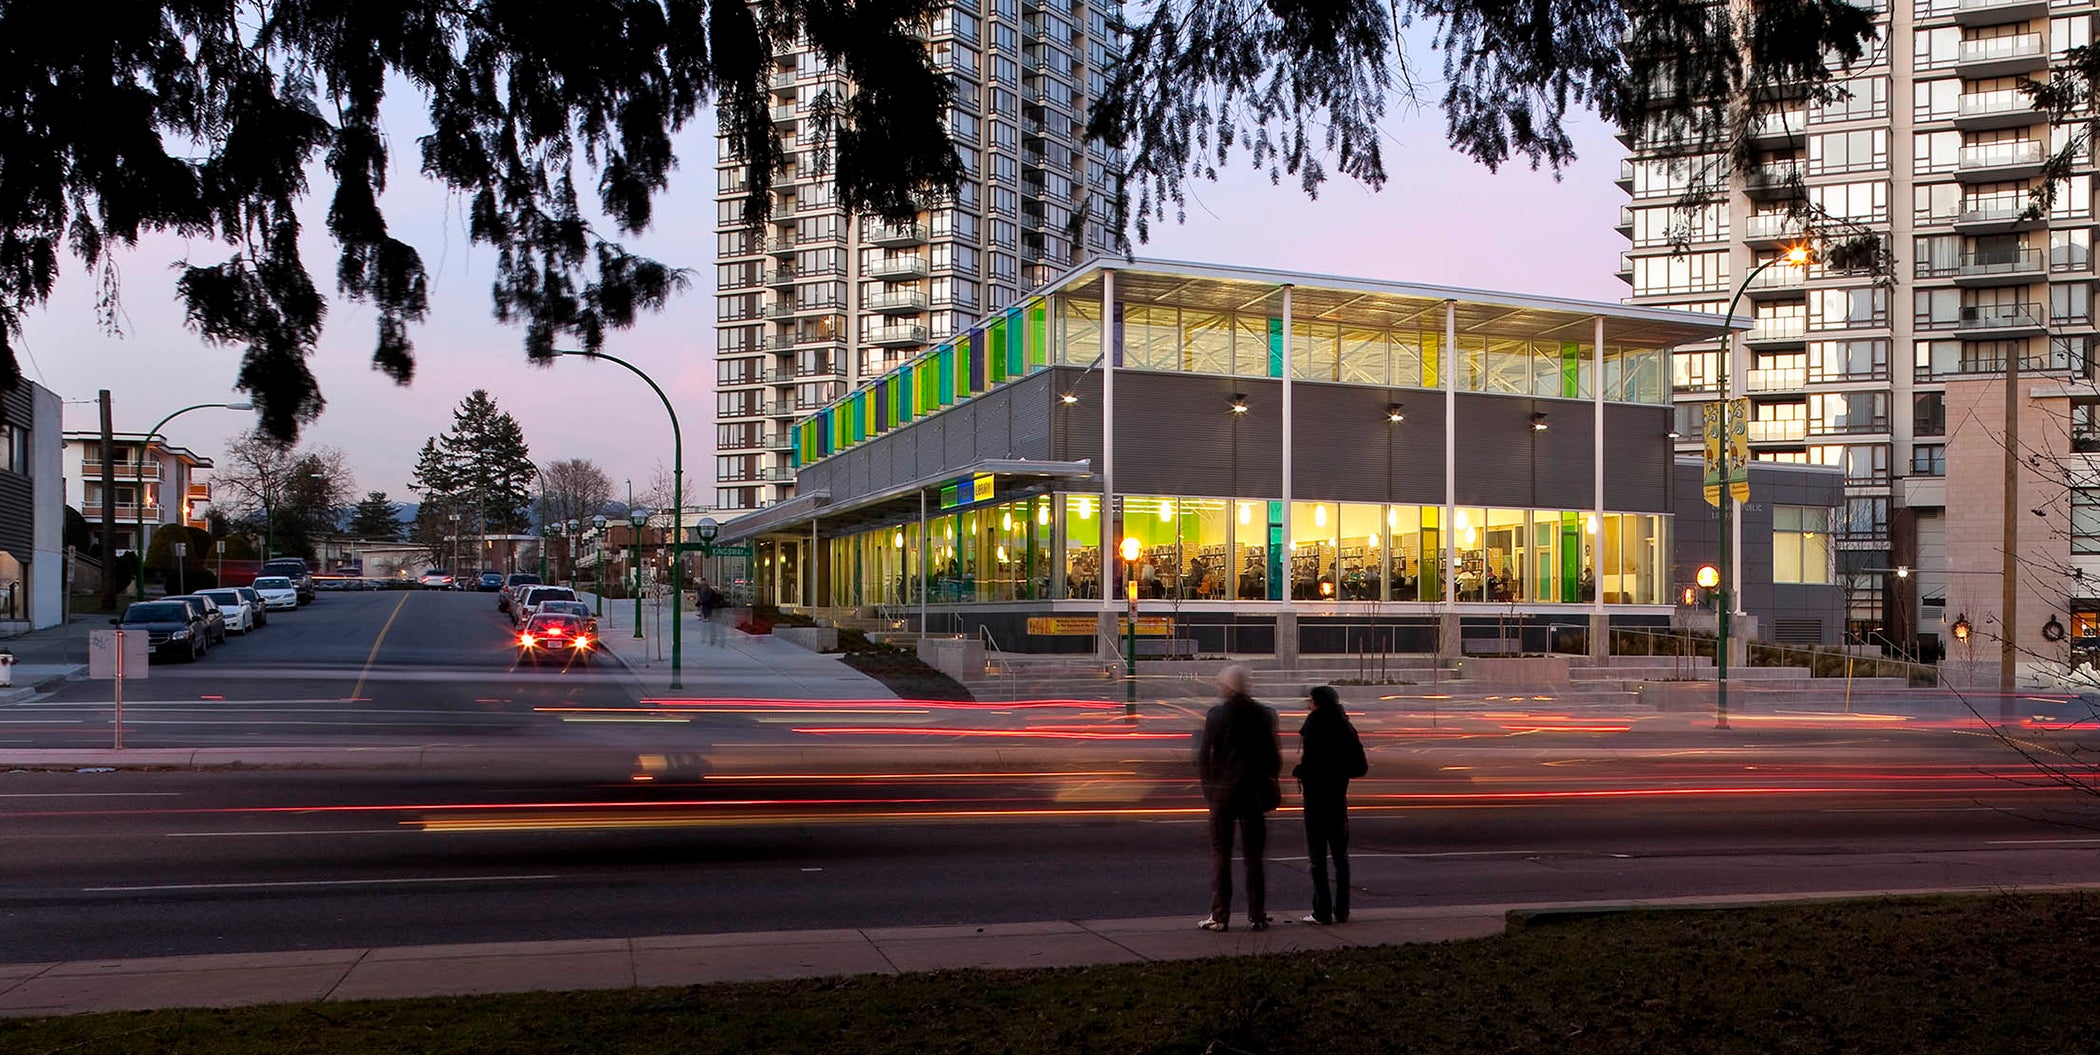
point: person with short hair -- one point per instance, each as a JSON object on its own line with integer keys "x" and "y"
{"x": 1238, "y": 759}
{"x": 1330, "y": 756}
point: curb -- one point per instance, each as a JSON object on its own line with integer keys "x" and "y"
{"x": 22, "y": 692}
{"x": 1516, "y": 919}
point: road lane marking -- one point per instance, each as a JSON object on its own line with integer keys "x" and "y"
{"x": 90, "y": 794}
{"x": 317, "y": 831}
{"x": 359, "y": 691}
{"x": 2042, "y": 842}
{"x": 308, "y": 883}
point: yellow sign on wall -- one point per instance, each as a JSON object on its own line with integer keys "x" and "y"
{"x": 1086, "y": 625}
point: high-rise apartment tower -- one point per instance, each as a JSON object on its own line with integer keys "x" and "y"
{"x": 821, "y": 301}
{"x": 1936, "y": 150}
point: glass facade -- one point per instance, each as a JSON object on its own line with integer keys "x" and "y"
{"x": 1191, "y": 548}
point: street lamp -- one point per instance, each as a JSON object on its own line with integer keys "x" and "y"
{"x": 569, "y": 550}
{"x": 598, "y": 564}
{"x": 138, "y": 484}
{"x": 677, "y": 510}
{"x": 637, "y": 519}
{"x": 1795, "y": 256}
{"x": 1131, "y": 549}
{"x": 546, "y": 532}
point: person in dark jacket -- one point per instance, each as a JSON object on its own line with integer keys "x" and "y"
{"x": 1330, "y": 756}
{"x": 1238, "y": 758}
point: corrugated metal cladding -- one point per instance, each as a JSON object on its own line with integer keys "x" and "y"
{"x": 1637, "y": 471}
{"x": 1176, "y": 434}
{"x": 1075, "y": 428}
{"x": 1504, "y": 461}
{"x": 1343, "y": 444}
{"x": 17, "y": 507}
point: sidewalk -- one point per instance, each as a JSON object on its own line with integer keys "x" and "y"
{"x": 238, "y": 979}
{"x": 48, "y": 656}
{"x": 743, "y": 666}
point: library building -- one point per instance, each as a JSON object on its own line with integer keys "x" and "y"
{"x": 1267, "y": 462}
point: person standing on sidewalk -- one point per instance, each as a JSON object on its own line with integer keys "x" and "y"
{"x": 710, "y": 601}
{"x": 1330, "y": 756}
{"x": 1238, "y": 759}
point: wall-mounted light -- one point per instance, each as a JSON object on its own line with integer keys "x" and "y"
{"x": 1068, "y": 398}
{"x": 1239, "y": 402}
{"x": 1961, "y": 627}
{"x": 1672, "y": 434}
{"x": 1395, "y": 413}
{"x": 1538, "y": 421}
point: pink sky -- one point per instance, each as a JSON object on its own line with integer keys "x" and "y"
{"x": 1441, "y": 219}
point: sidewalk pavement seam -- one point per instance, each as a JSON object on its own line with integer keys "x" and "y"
{"x": 879, "y": 950}
{"x": 17, "y": 983}
{"x": 329, "y": 994}
{"x": 1081, "y": 924}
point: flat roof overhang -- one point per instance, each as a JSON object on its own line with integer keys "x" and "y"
{"x": 889, "y": 505}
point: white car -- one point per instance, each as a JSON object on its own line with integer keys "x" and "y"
{"x": 277, "y": 592}
{"x": 240, "y": 615}
{"x": 436, "y": 579}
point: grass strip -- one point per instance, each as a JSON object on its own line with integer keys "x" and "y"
{"x": 1973, "y": 974}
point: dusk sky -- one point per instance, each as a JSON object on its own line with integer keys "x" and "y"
{"x": 1442, "y": 219}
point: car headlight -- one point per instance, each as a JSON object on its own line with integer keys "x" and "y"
{"x": 179, "y": 635}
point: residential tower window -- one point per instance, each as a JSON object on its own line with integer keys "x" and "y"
{"x": 1800, "y": 544}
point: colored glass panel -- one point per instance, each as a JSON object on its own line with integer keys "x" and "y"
{"x": 1037, "y": 340}
{"x": 1275, "y": 356}
{"x": 1432, "y": 361}
{"x": 1570, "y": 369}
{"x": 947, "y": 375}
{"x": 995, "y": 357}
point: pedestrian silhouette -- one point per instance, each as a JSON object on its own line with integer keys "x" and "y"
{"x": 1330, "y": 756}
{"x": 1238, "y": 759}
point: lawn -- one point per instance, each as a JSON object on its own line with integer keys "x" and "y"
{"x": 1983, "y": 974}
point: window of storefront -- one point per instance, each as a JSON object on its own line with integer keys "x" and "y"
{"x": 1314, "y": 529}
{"x": 1081, "y": 516}
{"x": 1800, "y": 544}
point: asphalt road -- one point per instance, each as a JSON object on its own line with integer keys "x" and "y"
{"x": 616, "y": 816}
{"x": 383, "y": 667}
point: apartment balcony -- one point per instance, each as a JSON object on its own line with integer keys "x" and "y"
{"x": 1778, "y": 179}
{"x": 1777, "y": 430}
{"x": 91, "y": 469}
{"x": 782, "y": 80}
{"x": 894, "y": 336}
{"x": 1772, "y": 333}
{"x": 1993, "y": 12}
{"x": 893, "y": 235}
{"x": 2002, "y": 320}
{"x": 1625, "y": 224}
{"x": 780, "y": 441}
{"x": 1778, "y": 281}
{"x": 742, "y": 443}
{"x": 1788, "y": 379}
{"x": 1998, "y": 162}
{"x": 777, "y": 474}
{"x": 782, "y": 276}
{"x": 2003, "y": 108}
{"x": 1765, "y": 229}
{"x": 2004, "y": 56}
{"x": 2001, "y": 269}
{"x": 782, "y": 245}
{"x": 899, "y": 302}
{"x": 1778, "y": 128}
{"x": 125, "y": 511}
{"x": 825, "y": 371}
{"x": 785, "y": 115}
{"x": 1625, "y": 177}
{"x": 897, "y": 267}
{"x": 1997, "y": 216}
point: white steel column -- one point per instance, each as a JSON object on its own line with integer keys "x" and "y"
{"x": 1110, "y": 526}
{"x": 925, "y": 551}
{"x": 1449, "y": 533}
{"x": 1597, "y": 472}
{"x": 1289, "y": 544}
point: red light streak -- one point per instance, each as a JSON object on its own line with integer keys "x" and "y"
{"x": 1025, "y": 734}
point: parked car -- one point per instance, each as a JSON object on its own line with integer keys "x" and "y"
{"x": 239, "y": 614}
{"x": 436, "y": 579}
{"x": 513, "y": 585}
{"x": 262, "y": 611}
{"x": 277, "y": 592}
{"x": 527, "y": 601}
{"x": 489, "y": 581}
{"x": 208, "y": 610}
{"x": 562, "y": 637}
{"x": 294, "y": 569}
{"x": 172, "y": 628}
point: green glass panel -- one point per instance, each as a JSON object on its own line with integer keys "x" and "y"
{"x": 1275, "y": 370}
{"x": 1570, "y": 369}
{"x": 1570, "y": 558}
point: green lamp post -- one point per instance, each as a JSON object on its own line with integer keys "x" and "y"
{"x": 598, "y": 564}
{"x": 138, "y": 485}
{"x": 570, "y": 532}
{"x": 546, "y": 532}
{"x": 638, "y": 519}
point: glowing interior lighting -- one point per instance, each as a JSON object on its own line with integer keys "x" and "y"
{"x": 1246, "y": 512}
{"x": 1471, "y": 536}
{"x": 1463, "y": 523}
{"x": 1001, "y": 551}
{"x": 1590, "y": 522}
{"x": 948, "y": 531}
{"x": 1086, "y": 507}
{"x": 1042, "y": 513}
{"x": 1320, "y": 515}
{"x": 1006, "y": 521}
{"x": 897, "y": 540}
{"x": 1392, "y": 520}
{"x": 1166, "y": 509}
{"x": 1371, "y": 540}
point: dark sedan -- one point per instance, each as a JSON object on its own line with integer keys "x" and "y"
{"x": 489, "y": 581}
{"x": 172, "y": 628}
{"x": 207, "y": 610}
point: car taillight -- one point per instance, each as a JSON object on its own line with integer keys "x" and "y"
{"x": 554, "y": 631}
{"x": 526, "y": 640}
{"x": 583, "y": 641}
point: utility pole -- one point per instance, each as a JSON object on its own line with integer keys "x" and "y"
{"x": 2009, "y": 566}
{"x": 109, "y": 508}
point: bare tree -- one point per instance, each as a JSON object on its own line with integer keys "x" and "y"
{"x": 285, "y": 493}
{"x": 659, "y": 495}
{"x": 573, "y": 489}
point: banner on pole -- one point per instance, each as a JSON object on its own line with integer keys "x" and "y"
{"x": 1725, "y": 430}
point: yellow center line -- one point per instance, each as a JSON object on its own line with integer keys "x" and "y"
{"x": 359, "y": 692}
